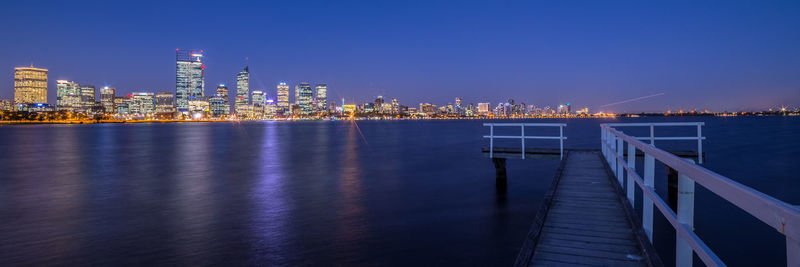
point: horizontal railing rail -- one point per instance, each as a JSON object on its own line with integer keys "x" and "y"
{"x": 699, "y": 137}
{"x": 522, "y": 135}
{"x": 783, "y": 217}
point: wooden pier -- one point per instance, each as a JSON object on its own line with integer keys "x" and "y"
{"x": 585, "y": 220}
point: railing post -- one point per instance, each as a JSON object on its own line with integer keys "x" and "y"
{"x": 652, "y": 135}
{"x": 792, "y": 252}
{"x": 491, "y": 140}
{"x": 561, "y": 139}
{"x": 603, "y": 141}
{"x": 699, "y": 144}
{"x": 632, "y": 165}
{"x": 647, "y": 203}
{"x": 683, "y": 252}
{"x": 523, "y": 140}
{"x": 620, "y": 169}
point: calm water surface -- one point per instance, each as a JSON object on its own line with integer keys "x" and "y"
{"x": 329, "y": 193}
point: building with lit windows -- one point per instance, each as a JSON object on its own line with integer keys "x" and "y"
{"x": 305, "y": 98}
{"x": 322, "y": 97}
{"x": 6, "y": 105}
{"x": 107, "y": 99}
{"x": 68, "y": 95}
{"x": 30, "y": 85}
{"x": 242, "y": 103}
{"x": 218, "y": 105}
{"x": 165, "y": 102}
{"x": 259, "y": 101}
{"x": 122, "y": 105}
{"x": 199, "y": 107}
{"x": 283, "y": 97}
{"x": 88, "y": 96}
{"x": 189, "y": 78}
{"x": 483, "y": 109}
{"x": 142, "y": 103}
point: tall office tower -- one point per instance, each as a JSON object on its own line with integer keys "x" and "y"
{"x": 189, "y": 74}
{"x": 283, "y": 97}
{"x": 165, "y": 102}
{"x": 322, "y": 97}
{"x": 88, "y": 96}
{"x": 219, "y": 106}
{"x": 107, "y": 99}
{"x": 30, "y": 85}
{"x": 297, "y": 95}
{"x": 222, "y": 90}
{"x": 259, "y": 101}
{"x": 243, "y": 91}
{"x": 378, "y": 103}
{"x": 68, "y": 95}
{"x": 305, "y": 96}
{"x": 458, "y": 102}
{"x": 142, "y": 103}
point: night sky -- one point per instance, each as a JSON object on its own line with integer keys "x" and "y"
{"x": 724, "y": 55}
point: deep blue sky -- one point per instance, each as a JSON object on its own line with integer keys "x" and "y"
{"x": 723, "y": 55}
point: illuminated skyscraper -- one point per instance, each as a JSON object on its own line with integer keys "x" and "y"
{"x": 88, "y": 96}
{"x": 283, "y": 97}
{"x": 222, "y": 95}
{"x": 107, "y": 99}
{"x": 30, "y": 85}
{"x": 165, "y": 102}
{"x": 297, "y": 95}
{"x": 305, "y": 96}
{"x": 189, "y": 81}
{"x": 259, "y": 101}
{"x": 243, "y": 91}
{"x": 322, "y": 97}
{"x": 68, "y": 95}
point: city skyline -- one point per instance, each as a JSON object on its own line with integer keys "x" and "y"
{"x": 601, "y": 53}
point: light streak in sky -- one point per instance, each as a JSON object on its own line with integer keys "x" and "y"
{"x": 632, "y": 99}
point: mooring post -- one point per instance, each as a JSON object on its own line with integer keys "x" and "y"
{"x": 500, "y": 169}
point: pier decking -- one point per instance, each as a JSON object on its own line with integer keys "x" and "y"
{"x": 583, "y": 220}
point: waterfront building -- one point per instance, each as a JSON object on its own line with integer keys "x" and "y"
{"x": 189, "y": 81}
{"x": 88, "y": 97}
{"x": 305, "y": 98}
{"x": 30, "y": 85}
{"x": 483, "y": 109}
{"x": 427, "y": 108}
{"x": 349, "y": 108}
{"x": 107, "y": 99}
{"x": 283, "y": 97}
{"x": 35, "y": 107}
{"x": 219, "y": 106}
{"x": 122, "y": 104}
{"x": 322, "y": 97}
{"x": 142, "y": 103}
{"x": 199, "y": 107}
{"x": 297, "y": 95}
{"x": 68, "y": 95}
{"x": 564, "y": 109}
{"x": 270, "y": 108}
{"x": 378, "y": 103}
{"x": 165, "y": 102}
{"x": 259, "y": 101}
{"x": 6, "y": 105}
{"x": 242, "y": 103}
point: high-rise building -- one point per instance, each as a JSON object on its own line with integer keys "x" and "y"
{"x": 30, "y": 85}
{"x": 123, "y": 104}
{"x": 142, "y": 103}
{"x": 222, "y": 90}
{"x": 107, "y": 99}
{"x": 219, "y": 105}
{"x": 305, "y": 97}
{"x": 483, "y": 109}
{"x": 243, "y": 91}
{"x": 68, "y": 95}
{"x": 322, "y": 97}
{"x": 378, "y": 103}
{"x": 199, "y": 107}
{"x": 88, "y": 96}
{"x": 259, "y": 101}
{"x": 297, "y": 95}
{"x": 283, "y": 97}
{"x": 165, "y": 103}
{"x": 189, "y": 78}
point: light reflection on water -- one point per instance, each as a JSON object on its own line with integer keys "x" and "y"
{"x": 313, "y": 193}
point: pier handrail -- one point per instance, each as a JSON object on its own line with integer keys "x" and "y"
{"x": 522, "y": 135}
{"x": 779, "y": 215}
{"x": 699, "y": 137}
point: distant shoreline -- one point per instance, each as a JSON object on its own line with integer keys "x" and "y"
{"x": 376, "y": 119}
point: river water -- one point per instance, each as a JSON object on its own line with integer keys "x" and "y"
{"x": 333, "y": 192}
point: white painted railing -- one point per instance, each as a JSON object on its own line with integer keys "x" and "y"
{"x": 699, "y": 137}
{"x": 783, "y": 217}
{"x": 522, "y": 135}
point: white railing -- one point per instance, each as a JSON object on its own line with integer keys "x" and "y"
{"x": 652, "y": 138}
{"x": 522, "y": 135}
{"x": 783, "y": 217}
